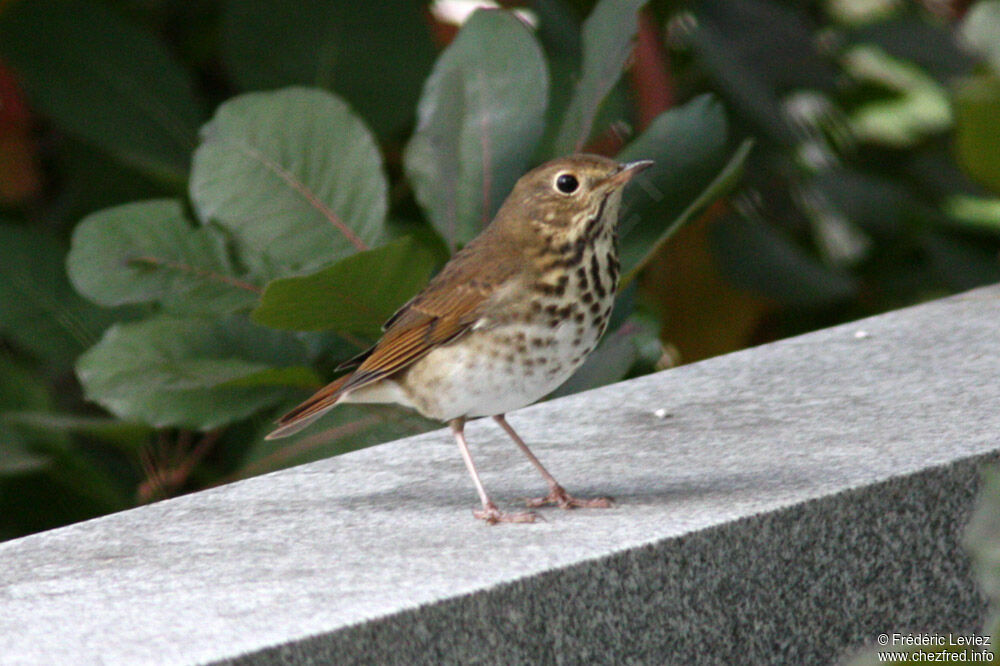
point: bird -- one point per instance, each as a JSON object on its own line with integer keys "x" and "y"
{"x": 505, "y": 322}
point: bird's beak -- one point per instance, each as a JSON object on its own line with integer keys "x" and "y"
{"x": 627, "y": 171}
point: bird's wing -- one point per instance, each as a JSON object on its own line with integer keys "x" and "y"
{"x": 435, "y": 317}
{"x": 451, "y": 304}
{"x": 431, "y": 301}
{"x": 449, "y": 307}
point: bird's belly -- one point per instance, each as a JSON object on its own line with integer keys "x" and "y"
{"x": 500, "y": 369}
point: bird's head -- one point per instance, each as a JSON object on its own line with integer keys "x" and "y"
{"x": 571, "y": 197}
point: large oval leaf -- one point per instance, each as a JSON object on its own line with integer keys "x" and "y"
{"x": 756, "y": 257}
{"x": 607, "y": 39}
{"x": 296, "y": 177}
{"x": 355, "y": 295}
{"x": 104, "y": 79}
{"x": 191, "y": 372}
{"x": 479, "y": 119}
{"x": 688, "y": 146}
{"x": 148, "y": 251}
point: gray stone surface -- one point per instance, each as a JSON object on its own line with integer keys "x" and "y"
{"x": 798, "y": 499}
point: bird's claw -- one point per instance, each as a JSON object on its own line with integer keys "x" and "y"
{"x": 492, "y": 515}
{"x": 559, "y": 497}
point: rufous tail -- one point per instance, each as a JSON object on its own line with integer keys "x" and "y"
{"x": 316, "y": 406}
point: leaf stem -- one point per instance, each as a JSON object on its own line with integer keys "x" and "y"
{"x": 168, "y": 465}
{"x": 487, "y": 157}
{"x": 198, "y": 271}
{"x": 300, "y": 187}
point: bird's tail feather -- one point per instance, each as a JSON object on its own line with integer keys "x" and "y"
{"x": 316, "y": 406}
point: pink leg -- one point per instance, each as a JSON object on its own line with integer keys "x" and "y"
{"x": 557, "y": 494}
{"x": 490, "y": 513}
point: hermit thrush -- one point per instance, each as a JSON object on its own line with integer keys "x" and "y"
{"x": 506, "y": 321}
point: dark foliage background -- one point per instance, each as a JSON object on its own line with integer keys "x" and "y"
{"x": 205, "y": 205}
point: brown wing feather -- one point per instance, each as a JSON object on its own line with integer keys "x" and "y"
{"x": 317, "y": 402}
{"x": 448, "y": 307}
{"x": 415, "y": 332}
{"x": 428, "y": 322}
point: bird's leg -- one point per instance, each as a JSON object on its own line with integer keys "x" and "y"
{"x": 557, "y": 494}
{"x": 490, "y": 513}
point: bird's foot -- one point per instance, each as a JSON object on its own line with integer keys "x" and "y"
{"x": 564, "y": 500}
{"x": 492, "y": 515}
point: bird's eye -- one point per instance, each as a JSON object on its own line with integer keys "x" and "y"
{"x": 567, "y": 183}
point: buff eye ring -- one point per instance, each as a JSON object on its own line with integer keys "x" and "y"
{"x": 567, "y": 183}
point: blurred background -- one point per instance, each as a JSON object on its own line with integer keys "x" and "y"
{"x": 873, "y": 183}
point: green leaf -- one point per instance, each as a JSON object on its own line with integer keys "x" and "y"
{"x": 960, "y": 264}
{"x": 374, "y": 54}
{"x": 726, "y": 180}
{"x": 355, "y": 295}
{"x": 977, "y": 141}
{"x": 15, "y": 455}
{"x": 608, "y": 34}
{"x": 980, "y": 31}
{"x": 180, "y": 372}
{"x": 294, "y": 175}
{"x": 480, "y": 117}
{"x": 756, "y": 257}
{"x": 690, "y": 171}
{"x": 688, "y": 146}
{"x": 105, "y": 80}
{"x": 919, "y": 107}
{"x": 746, "y": 88}
{"x": 558, "y": 30}
{"x": 147, "y": 251}
{"x": 878, "y": 204}
{"x": 40, "y": 311}
{"x": 975, "y": 212}
{"x": 295, "y": 376}
{"x": 31, "y": 439}
{"x": 21, "y": 387}
{"x": 91, "y": 179}
{"x": 128, "y": 434}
